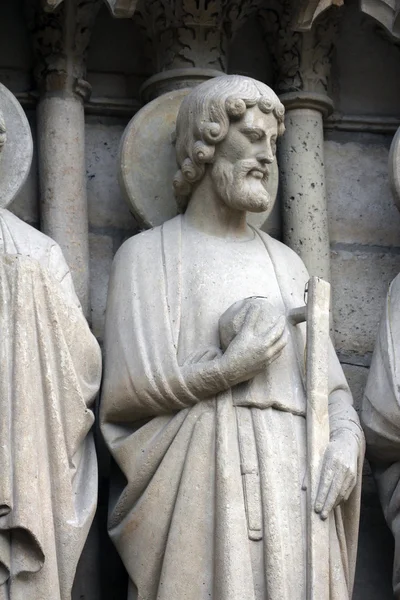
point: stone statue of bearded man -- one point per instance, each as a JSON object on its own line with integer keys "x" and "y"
{"x": 204, "y": 407}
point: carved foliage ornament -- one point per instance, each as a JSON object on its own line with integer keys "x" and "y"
{"x": 61, "y": 39}
{"x": 192, "y": 33}
{"x": 302, "y": 59}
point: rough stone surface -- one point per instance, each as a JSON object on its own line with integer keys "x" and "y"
{"x": 305, "y": 221}
{"x": 61, "y": 130}
{"x": 360, "y": 280}
{"x": 101, "y": 255}
{"x": 356, "y": 377}
{"x": 106, "y": 204}
{"x": 360, "y": 207}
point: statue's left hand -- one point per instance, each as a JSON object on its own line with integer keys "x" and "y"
{"x": 338, "y": 474}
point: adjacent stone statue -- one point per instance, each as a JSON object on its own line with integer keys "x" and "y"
{"x": 50, "y": 367}
{"x": 380, "y": 413}
{"x": 204, "y": 404}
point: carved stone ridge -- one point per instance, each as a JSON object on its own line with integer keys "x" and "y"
{"x": 309, "y": 11}
{"x": 118, "y": 8}
{"x": 175, "y": 79}
{"x": 314, "y": 101}
{"x": 386, "y": 12}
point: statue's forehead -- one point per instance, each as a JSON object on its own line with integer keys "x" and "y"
{"x": 254, "y": 117}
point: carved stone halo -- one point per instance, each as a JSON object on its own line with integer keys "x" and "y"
{"x": 148, "y": 165}
{"x": 394, "y": 168}
{"x": 16, "y": 155}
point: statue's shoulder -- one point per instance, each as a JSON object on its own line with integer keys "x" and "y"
{"x": 147, "y": 244}
{"x": 29, "y": 240}
{"x": 282, "y": 254}
{"x": 140, "y": 244}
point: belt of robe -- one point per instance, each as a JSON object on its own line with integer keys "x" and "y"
{"x": 250, "y": 473}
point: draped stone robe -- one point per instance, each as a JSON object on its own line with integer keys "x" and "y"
{"x": 210, "y": 490}
{"x": 50, "y": 366}
{"x": 380, "y": 417}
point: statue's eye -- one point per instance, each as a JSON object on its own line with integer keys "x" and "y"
{"x": 273, "y": 145}
{"x": 253, "y": 134}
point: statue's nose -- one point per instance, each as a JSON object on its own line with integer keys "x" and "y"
{"x": 265, "y": 158}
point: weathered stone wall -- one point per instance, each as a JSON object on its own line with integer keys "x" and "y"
{"x": 364, "y": 225}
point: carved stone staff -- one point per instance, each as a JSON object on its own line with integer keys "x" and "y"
{"x": 316, "y": 314}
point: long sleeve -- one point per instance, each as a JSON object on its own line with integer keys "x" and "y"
{"x": 142, "y": 376}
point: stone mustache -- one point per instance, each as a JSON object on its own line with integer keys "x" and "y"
{"x": 49, "y": 376}
{"x": 204, "y": 405}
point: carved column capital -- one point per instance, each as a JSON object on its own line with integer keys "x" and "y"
{"x": 301, "y": 54}
{"x": 60, "y": 40}
{"x": 188, "y": 35}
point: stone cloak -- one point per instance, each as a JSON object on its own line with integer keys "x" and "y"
{"x": 380, "y": 417}
{"x": 177, "y": 512}
{"x": 49, "y": 376}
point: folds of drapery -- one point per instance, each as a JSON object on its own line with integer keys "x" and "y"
{"x": 380, "y": 417}
{"x": 49, "y": 376}
{"x": 182, "y": 495}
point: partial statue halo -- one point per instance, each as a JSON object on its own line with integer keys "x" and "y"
{"x": 16, "y": 155}
{"x": 394, "y": 168}
{"x": 147, "y": 163}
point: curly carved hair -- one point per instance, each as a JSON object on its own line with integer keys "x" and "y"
{"x": 203, "y": 122}
{"x": 3, "y": 135}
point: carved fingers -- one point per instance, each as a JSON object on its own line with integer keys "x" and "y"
{"x": 338, "y": 474}
{"x": 255, "y": 345}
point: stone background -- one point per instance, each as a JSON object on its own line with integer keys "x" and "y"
{"x": 364, "y": 224}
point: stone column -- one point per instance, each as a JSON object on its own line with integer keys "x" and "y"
{"x": 302, "y": 64}
{"x": 188, "y": 41}
{"x": 302, "y": 172}
{"x": 60, "y": 40}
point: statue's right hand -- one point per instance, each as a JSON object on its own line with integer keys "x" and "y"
{"x": 255, "y": 346}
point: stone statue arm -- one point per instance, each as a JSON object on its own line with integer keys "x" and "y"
{"x": 344, "y": 454}
{"x": 343, "y": 418}
{"x": 142, "y": 375}
{"x": 59, "y": 269}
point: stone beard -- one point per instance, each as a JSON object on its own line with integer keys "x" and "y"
{"x": 203, "y": 403}
{"x": 237, "y": 189}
